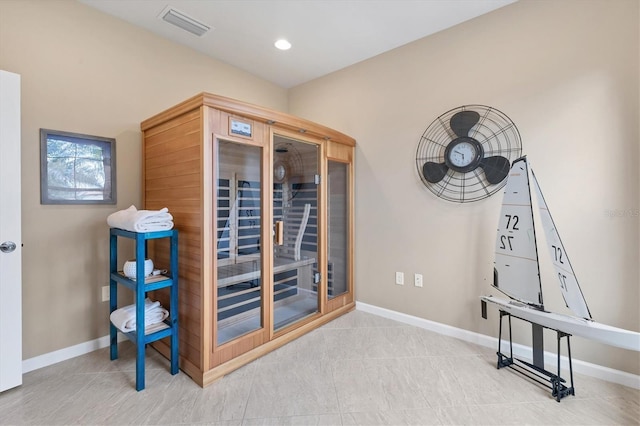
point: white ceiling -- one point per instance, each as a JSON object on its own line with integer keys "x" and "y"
{"x": 327, "y": 35}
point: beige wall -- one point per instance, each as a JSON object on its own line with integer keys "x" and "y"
{"x": 566, "y": 72}
{"x": 86, "y": 72}
{"x": 569, "y": 80}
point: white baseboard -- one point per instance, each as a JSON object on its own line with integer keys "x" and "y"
{"x": 522, "y": 351}
{"x": 66, "y": 353}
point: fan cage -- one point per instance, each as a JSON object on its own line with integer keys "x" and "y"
{"x": 497, "y": 135}
{"x": 286, "y": 154}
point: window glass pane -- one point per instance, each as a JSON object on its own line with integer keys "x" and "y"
{"x": 76, "y": 169}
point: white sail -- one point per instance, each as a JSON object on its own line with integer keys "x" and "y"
{"x": 569, "y": 286}
{"x": 516, "y": 270}
{"x": 516, "y": 267}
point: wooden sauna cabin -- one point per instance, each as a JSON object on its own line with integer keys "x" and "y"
{"x": 263, "y": 202}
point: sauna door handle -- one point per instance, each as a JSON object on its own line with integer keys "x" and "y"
{"x": 279, "y": 233}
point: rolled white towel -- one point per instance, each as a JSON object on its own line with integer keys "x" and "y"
{"x": 125, "y": 318}
{"x": 135, "y": 220}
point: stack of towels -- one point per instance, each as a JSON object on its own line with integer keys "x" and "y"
{"x": 135, "y": 220}
{"x": 154, "y": 315}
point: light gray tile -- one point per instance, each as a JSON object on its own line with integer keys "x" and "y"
{"x": 311, "y": 346}
{"x": 598, "y": 411}
{"x": 357, "y": 370}
{"x": 590, "y": 387}
{"x": 359, "y": 319}
{"x": 161, "y": 402}
{"x": 84, "y": 407}
{"x": 359, "y": 387}
{"x": 348, "y": 343}
{"x": 422, "y": 417}
{"x": 224, "y": 400}
{"x": 313, "y": 420}
{"x": 283, "y": 391}
{"x": 40, "y": 398}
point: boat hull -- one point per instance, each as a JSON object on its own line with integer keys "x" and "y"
{"x": 592, "y": 330}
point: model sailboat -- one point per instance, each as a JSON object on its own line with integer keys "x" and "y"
{"x": 517, "y": 274}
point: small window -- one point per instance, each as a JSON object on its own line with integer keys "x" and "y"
{"x": 77, "y": 169}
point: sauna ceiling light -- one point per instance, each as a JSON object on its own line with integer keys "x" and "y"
{"x": 183, "y": 21}
{"x": 282, "y": 44}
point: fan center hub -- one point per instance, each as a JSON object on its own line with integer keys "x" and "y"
{"x": 463, "y": 154}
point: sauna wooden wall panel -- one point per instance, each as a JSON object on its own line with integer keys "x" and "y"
{"x": 173, "y": 179}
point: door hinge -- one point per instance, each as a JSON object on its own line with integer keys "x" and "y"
{"x": 316, "y": 179}
{"x": 316, "y": 277}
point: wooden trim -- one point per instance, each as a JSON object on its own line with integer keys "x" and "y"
{"x": 339, "y": 301}
{"x": 210, "y": 120}
{"x": 274, "y": 118}
{"x": 267, "y": 255}
{"x": 351, "y": 225}
{"x": 229, "y": 350}
{"x": 322, "y": 245}
{"x": 348, "y": 296}
{"x": 323, "y": 229}
{"x": 339, "y": 152}
{"x": 168, "y": 126}
{"x": 222, "y": 353}
{"x": 190, "y": 104}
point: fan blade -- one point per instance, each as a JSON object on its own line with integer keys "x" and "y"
{"x": 463, "y": 121}
{"x": 434, "y": 172}
{"x": 495, "y": 168}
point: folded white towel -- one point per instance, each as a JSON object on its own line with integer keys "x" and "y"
{"x": 155, "y": 327}
{"x": 135, "y": 220}
{"x": 125, "y": 318}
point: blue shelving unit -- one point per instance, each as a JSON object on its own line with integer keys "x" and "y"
{"x": 140, "y": 288}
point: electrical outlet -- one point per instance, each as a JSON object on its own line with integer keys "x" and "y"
{"x": 105, "y": 293}
{"x": 417, "y": 280}
{"x": 400, "y": 278}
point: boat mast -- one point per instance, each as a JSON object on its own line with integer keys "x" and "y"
{"x": 533, "y": 222}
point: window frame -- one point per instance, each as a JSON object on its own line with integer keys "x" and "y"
{"x": 109, "y": 189}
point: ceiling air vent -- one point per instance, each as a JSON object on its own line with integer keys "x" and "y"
{"x": 183, "y": 21}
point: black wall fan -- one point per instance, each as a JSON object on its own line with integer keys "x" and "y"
{"x": 466, "y": 153}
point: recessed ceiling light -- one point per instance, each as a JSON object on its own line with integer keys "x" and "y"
{"x": 282, "y": 44}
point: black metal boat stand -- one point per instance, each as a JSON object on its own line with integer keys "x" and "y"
{"x": 536, "y": 371}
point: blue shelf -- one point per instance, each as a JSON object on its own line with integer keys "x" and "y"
{"x": 148, "y": 286}
{"x": 151, "y": 337}
{"x": 169, "y": 280}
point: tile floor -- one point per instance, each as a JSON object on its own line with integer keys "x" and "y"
{"x": 360, "y": 369}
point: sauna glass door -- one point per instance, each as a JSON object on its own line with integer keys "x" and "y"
{"x": 239, "y": 247}
{"x": 295, "y": 213}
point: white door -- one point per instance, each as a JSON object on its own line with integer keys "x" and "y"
{"x": 10, "y": 234}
